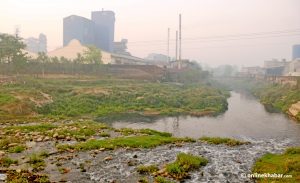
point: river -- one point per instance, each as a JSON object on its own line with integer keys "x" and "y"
{"x": 245, "y": 118}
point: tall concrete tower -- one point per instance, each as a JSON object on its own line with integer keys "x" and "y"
{"x": 104, "y": 29}
{"x": 80, "y": 28}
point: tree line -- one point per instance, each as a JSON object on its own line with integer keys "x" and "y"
{"x": 14, "y": 56}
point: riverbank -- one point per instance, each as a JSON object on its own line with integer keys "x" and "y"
{"x": 100, "y": 98}
{"x": 280, "y": 97}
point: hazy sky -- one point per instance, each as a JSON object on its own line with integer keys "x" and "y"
{"x": 144, "y": 23}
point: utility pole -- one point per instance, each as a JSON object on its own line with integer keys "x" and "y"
{"x": 176, "y": 51}
{"x": 168, "y": 47}
{"x": 179, "y": 41}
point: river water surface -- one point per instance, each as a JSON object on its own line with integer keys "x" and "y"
{"x": 245, "y": 118}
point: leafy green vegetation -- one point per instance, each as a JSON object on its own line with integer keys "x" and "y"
{"x": 6, "y": 99}
{"x": 287, "y": 163}
{"x": 98, "y": 98}
{"x": 17, "y": 149}
{"x": 32, "y": 128}
{"x": 183, "y": 164}
{"x": 147, "y": 141}
{"x": 143, "y": 169}
{"x": 219, "y": 140}
{"x": 276, "y": 97}
{"x": 279, "y": 96}
{"x": 6, "y": 161}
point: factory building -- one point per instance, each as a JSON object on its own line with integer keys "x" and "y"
{"x": 99, "y": 31}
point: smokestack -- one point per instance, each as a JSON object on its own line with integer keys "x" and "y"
{"x": 176, "y": 51}
{"x": 179, "y": 41}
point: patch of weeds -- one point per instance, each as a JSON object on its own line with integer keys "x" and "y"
{"x": 25, "y": 177}
{"x": 144, "y": 169}
{"x": 8, "y": 142}
{"x": 160, "y": 179}
{"x": 37, "y": 162}
{"x": 154, "y": 132}
{"x": 126, "y": 131}
{"x": 219, "y": 140}
{"x": 63, "y": 170}
{"x": 32, "y": 128}
{"x": 125, "y": 142}
{"x": 17, "y": 149}
{"x": 81, "y": 167}
{"x": 6, "y": 162}
{"x": 183, "y": 164}
{"x": 104, "y": 134}
{"x": 287, "y": 163}
{"x": 44, "y": 154}
{"x": 6, "y": 98}
{"x": 143, "y": 180}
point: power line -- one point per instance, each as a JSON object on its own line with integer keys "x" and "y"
{"x": 221, "y": 40}
{"x": 257, "y": 34}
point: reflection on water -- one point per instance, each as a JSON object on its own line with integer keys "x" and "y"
{"x": 245, "y": 118}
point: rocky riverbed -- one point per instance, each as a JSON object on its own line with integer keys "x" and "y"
{"x": 92, "y": 152}
{"x": 226, "y": 164}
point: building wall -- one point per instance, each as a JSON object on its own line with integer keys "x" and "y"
{"x": 104, "y": 29}
{"x": 296, "y": 51}
{"x": 80, "y": 28}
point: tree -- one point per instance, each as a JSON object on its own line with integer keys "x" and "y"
{"x": 43, "y": 58}
{"x": 93, "y": 55}
{"x": 11, "y": 49}
{"x": 79, "y": 59}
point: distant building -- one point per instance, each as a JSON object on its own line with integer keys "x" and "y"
{"x": 79, "y": 28}
{"x": 293, "y": 68}
{"x": 36, "y": 45}
{"x": 98, "y": 31}
{"x": 157, "y": 59}
{"x": 104, "y": 29}
{"x": 275, "y": 71}
{"x": 252, "y": 71}
{"x": 121, "y": 47}
{"x": 275, "y": 63}
{"x": 296, "y": 51}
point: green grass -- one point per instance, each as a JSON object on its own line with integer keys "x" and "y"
{"x": 183, "y": 164}
{"x": 6, "y": 99}
{"x": 6, "y": 162}
{"x": 160, "y": 179}
{"x": 125, "y": 142}
{"x": 219, "y": 140}
{"x": 32, "y": 128}
{"x": 78, "y": 130}
{"x": 7, "y": 140}
{"x": 98, "y": 98}
{"x": 17, "y": 149}
{"x": 287, "y": 163}
{"x": 37, "y": 162}
{"x": 147, "y": 169}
